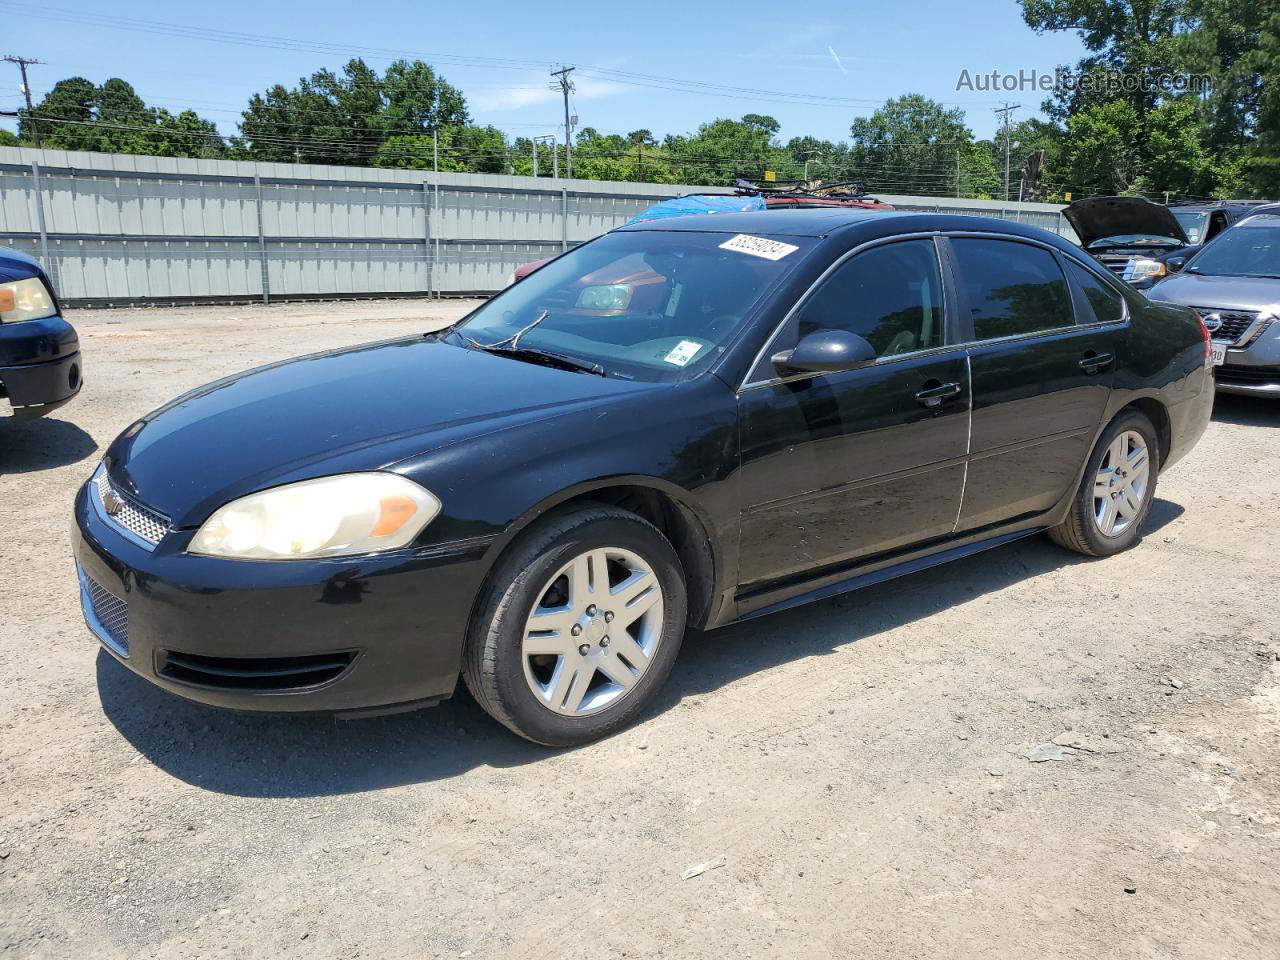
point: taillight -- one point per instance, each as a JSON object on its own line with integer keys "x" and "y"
{"x": 1208, "y": 347}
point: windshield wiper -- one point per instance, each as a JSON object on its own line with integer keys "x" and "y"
{"x": 546, "y": 358}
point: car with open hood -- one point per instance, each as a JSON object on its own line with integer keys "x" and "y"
{"x": 682, "y": 423}
{"x": 40, "y": 366}
{"x": 1142, "y": 241}
{"x": 1234, "y": 286}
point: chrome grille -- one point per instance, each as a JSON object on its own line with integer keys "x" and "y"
{"x": 1115, "y": 262}
{"x": 1238, "y": 326}
{"x": 142, "y": 522}
{"x": 106, "y": 614}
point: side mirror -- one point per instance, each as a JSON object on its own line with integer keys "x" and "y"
{"x": 1174, "y": 264}
{"x": 826, "y": 351}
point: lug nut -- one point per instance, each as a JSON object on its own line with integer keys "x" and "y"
{"x": 591, "y": 610}
{"x": 584, "y": 649}
{"x": 604, "y": 642}
{"x": 577, "y": 629}
{"x": 608, "y": 616}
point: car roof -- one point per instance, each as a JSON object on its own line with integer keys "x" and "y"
{"x": 1265, "y": 217}
{"x": 799, "y": 222}
{"x": 869, "y": 224}
{"x": 1218, "y": 205}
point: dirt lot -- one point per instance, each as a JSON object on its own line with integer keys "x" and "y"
{"x": 853, "y": 770}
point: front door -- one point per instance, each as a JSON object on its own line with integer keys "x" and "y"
{"x": 840, "y": 467}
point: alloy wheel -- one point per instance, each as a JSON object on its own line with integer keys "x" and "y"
{"x": 593, "y": 631}
{"x": 1120, "y": 487}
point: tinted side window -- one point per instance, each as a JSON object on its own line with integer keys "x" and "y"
{"x": 891, "y": 295}
{"x": 1101, "y": 303}
{"x": 1014, "y": 288}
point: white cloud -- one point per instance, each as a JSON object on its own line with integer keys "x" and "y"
{"x": 517, "y": 97}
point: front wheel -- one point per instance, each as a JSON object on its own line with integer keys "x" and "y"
{"x": 579, "y": 627}
{"x": 1116, "y": 493}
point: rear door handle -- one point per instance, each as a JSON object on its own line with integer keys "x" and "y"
{"x": 1093, "y": 362}
{"x": 935, "y": 392}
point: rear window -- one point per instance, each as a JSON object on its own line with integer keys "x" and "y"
{"x": 1013, "y": 288}
{"x": 1098, "y": 302}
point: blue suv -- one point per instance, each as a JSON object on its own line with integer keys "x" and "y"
{"x": 39, "y": 351}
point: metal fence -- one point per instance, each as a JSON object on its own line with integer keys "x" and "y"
{"x": 123, "y": 229}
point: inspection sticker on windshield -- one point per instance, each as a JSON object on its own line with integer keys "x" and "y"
{"x": 683, "y": 352}
{"x": 759, "y": 246}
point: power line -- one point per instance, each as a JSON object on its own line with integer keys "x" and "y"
{"x": 630, "y": 78}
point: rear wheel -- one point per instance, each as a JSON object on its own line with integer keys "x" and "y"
{"x": 579, "y": 628}
{"x": 1116, "y": 493}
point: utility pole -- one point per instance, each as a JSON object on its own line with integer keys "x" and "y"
{"x": 545, "y": 138}
{"x": 566, "y": 87}
{"x": 23, "y": 63}
{"x": 957, "y": 173}
{"x": 1008, "y": 132}
{"x": 809, "y": 155}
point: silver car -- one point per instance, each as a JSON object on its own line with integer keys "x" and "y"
{"x": 1234, "y": 284}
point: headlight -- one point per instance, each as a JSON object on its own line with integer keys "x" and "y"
{"x": 1140, "y": 268}
{"x": 611, "y": 296}
{"x": 27, "y": 299}
{"x": 331, "y": 517}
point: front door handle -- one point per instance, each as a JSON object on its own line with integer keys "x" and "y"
{"x": 1093, "y": 362}
{"x": 935, "y": 392}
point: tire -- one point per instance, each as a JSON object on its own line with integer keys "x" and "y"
{"x": 1084, "y": 529}
{"x": 532, "y": 679}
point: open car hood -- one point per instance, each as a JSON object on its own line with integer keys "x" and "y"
{"x": 1099, "y": 217}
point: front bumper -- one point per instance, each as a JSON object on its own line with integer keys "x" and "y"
{"x": 34, "y": 389}
{"x": 39, "y": 365}
{"x": 1253, "y": 371}
{"x": 336, "y": 635}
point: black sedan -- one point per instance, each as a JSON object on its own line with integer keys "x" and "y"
{"x": 39, "y": 351}
{"x": 682, "y": 423}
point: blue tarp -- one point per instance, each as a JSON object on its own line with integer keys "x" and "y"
{"x": 699, "y": 204}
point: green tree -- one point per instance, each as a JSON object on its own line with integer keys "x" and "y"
{"x": 469, "y": 149}
{"x": 347, "y": 118}
{"x": 915, "y": 145}
{"x": 79, "y": 115}
{"x": 1102, "y": 152}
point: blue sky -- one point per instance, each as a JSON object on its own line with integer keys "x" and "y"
{"x": 858, "y": 52}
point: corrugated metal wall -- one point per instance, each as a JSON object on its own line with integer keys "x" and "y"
{"x": 116, "y": 228}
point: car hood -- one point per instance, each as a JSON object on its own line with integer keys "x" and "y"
{"x": 1225, "y": 293}
{"x": 361, "y": 408}
{"x": 1099, "y": 217}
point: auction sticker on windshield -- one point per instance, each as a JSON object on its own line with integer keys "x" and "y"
{"x": 683, "y": 352}
{"x": 759, "y": 246}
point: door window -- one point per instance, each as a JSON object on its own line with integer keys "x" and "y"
{"x": 1100, "y": 304}
{"x": 890, "y": 295}
{"x": 1013, "y": 288}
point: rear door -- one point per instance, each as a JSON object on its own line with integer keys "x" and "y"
{"x": 1042, "y": 359}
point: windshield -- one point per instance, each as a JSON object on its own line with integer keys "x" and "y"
{"x": 1246, "y": 251}
{"x": 1193, "y": 224}
{"x": 642, "y": 305}
{"x": 1136, "y": 240}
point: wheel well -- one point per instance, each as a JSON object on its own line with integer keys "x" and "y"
{"x": 677, "y": 523}
{"x": 1159, "y": 416}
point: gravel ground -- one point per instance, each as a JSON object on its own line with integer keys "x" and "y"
{"x": 851, "y": 773}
